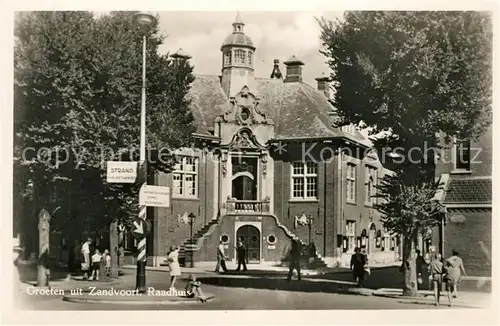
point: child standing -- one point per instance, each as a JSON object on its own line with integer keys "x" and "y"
{"x": 107, "y": 262}
{"x": 96, "y": 265}
{"x": 193, "y": 289}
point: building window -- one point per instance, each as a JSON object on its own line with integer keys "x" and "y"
{"x": 227, "y": 58}
{"x": 250, "y": 58}
{"x": 370, "y": 183}
{"x": 462, "y": 155}
{"x": 239, "y": 56}
{"x": 304, "y": 180}
{"x": 350, "y": 231}
{"x": 351, "y": 182}
{"x": 185, "y": 177}
{"x": 350, "y": 128}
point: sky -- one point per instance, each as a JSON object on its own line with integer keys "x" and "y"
{"x": 276, "y": 35}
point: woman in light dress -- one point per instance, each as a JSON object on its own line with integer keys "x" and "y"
{"x": 454, "y": 271}
{"x": 173, "y": 264}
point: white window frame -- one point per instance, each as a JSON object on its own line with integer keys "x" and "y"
{"x": 351, "y": 182}
{"x": 309, "y": 171}
{"x": 371, "y": 175}
{"x": 227, "y": 58}
{"x": 250, "y": 57}
{"x": 350, "y": 232}
{"x": 240, "y": 56}
{"x": 350, "y": 129}
{"x": 180, "y": 190}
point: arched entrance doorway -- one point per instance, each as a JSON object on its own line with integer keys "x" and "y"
{"x": 250, "y": 235}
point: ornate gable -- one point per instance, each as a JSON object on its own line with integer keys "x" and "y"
{"x": 243, "y": 109}
{"x": 244, "y": 139}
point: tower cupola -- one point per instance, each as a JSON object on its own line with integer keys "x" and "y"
{"x": 237, "y": 60}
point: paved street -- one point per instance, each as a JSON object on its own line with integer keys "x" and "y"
{"x": 242, "y": 292}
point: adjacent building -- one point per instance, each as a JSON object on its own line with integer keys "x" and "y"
{"x": 465, "y": 168}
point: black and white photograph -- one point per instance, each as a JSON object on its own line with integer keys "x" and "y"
{"x": 251, "y": 160}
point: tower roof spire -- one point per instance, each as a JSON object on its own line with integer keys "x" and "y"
{"x": 238, "y": 19}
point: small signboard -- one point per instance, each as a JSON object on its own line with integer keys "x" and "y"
{"x": 156, "y": 196}
{"x": 121, "y": 172}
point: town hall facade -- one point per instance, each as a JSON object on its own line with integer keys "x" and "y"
{"x": 272, "y": 164}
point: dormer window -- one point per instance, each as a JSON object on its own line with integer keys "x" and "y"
{"x": 227, "y": 58}
{"x": 239, "y": 57}
{"x": 462, "y": 155}
{"x": 350, "y": 128}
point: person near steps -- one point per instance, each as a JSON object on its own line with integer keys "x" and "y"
{"x": 221, "y": 258}
{"x": 241, "y": 252}
{"x": 295, "y": 254}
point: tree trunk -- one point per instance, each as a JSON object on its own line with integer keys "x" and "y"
{"x": 410, "y": 269}
{"x": 43, "y": 246}
{"x": 113, "y": 248}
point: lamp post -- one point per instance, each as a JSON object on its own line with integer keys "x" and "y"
{"x": 191, "y": 217}
{"x": 146, "y": 21}
{"x": 309, "y": 225}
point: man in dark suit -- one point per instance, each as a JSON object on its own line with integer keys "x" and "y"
{"x": 241, "y": 252}
{"x": 295, "y": 254}
{"x": 358, "y": 262}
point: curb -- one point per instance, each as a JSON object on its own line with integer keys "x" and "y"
{"x": 88, "y": 299}
{"x": 423, "y": 299}
{"x": 357, "y": 291}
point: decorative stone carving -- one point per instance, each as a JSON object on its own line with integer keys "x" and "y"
{"x": 243, "y": 109}
{"x": 245, "y": 139}
{"x": 224, "y": 164}
{"x": 263, "y": 159}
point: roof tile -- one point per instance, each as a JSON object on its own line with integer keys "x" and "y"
{"x": 469, "y": 191}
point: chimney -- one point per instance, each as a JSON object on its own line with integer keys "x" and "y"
{"x": 324, "y": 85}
{"x": 293, "y": 70}
{"x": 276, "y": 74}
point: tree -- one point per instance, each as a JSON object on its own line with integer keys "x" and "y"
{"x": 412, "y": 75}
{"x": 77, "y": 93}
{"x": 408, "y": 211}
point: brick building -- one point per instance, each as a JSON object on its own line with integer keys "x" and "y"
{"x": 465, "y": 168}
{"x": 269, "y": 166}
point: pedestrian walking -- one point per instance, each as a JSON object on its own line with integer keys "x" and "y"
{"x": 221, "y": 258}
{"x": 85, "y": 253}
{"x": 295, "y": 254}
{"x": 358, "y": 262}
{"x": 173, "y": 264}
{"x": 436, "y": 270}
{"x": 96, "y": 265}
{"x": 241, "y": 252}
{"x": 454, "y": 271}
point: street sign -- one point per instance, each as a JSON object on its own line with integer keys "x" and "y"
{"x": 156, "y": 196}
{"x": 140, "y": 228}
{"x": 121, "y": 172}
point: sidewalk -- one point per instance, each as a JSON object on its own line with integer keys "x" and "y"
{"x": 258, "y": 271}
{"x": 465, "y": 299}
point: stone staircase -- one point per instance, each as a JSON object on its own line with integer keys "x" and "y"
{"x": 196, "y": 236}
